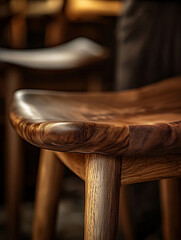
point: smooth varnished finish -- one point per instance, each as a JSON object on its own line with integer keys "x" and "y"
{"x": 134, "y": 169}
{"x": 102, "y": 186}
{"x": 133, "y": 123}
{"x": 71, "y": 55}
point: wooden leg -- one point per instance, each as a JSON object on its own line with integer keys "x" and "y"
{"x": 171, "y": 210}
{"x": 125, "y": 217}
{"x": 47, "y": 195}
{"x": 55, "y": 31}
{"x": 18, "y": 31}
{"x": 102, "y": 187}
{"x": 13, "y": 160}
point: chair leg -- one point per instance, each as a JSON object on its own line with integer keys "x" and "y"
{"x": 171, "y": 210}
{"x": 18, "y": 32}
{"x": 50, "y": 177}
{"x": 125, "y": 219}
{"x": 102, "y": 187}
{"x": 14, "y": 186}
{"x": 55, "y": 31}
{"x": 13, "y": 160}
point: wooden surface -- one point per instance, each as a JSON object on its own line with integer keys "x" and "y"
{"x": 50, "y": 176}
{"x": 132, "y": 123}
{"x": 134, "y": 169}
{"x": 74, "y": 54}
{"x": 87, "y": 9}
{"x": 102, "y": 186}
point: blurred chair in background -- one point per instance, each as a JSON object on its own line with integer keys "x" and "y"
{"x": 80, "y": 56}
{"x": 50, "y": 11}
{"x": 15, "y": 35}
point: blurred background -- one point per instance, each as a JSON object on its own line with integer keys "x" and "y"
{"x": 34, "y": 24}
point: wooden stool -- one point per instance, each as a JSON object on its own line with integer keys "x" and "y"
{"x": 107, "y": 139}
{"x": 79, "y": 56}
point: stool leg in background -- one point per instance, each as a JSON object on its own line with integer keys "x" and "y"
{"x": 13, "y": 160}
{"x": 55, "y": 31}
{"x": 125, "y": 220}
{"x": 171, "y": 209}
{"x": 18, "y": 32}
{"x": 102, "y": 187}
{"x": 50, "y": 175}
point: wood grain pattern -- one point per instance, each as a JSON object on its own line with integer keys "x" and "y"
{"x": 47, "y": 195}
{"x": 102, "y": 186}
{"x": 140, "y": 122}
{"x": 134, "y": 169}
{"x": 75, "y": 54}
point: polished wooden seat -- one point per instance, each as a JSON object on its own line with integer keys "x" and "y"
{"x": 76, "y": 122}
{"x": 134, "y": 136}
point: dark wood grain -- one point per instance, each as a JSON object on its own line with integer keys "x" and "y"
{"x": 140, "y": 122}
{"x": 102, "y": 186}
{"x": 71, "y": 55}
{"x": 134, "y": 169}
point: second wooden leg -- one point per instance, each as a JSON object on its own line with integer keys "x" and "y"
{"x": 171, "y": 210}
{"x": 14, "y": 160}
{"x": 125, "y": 219}
{"x": 47, "y": 195}
{"x": 102, "y": 187}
